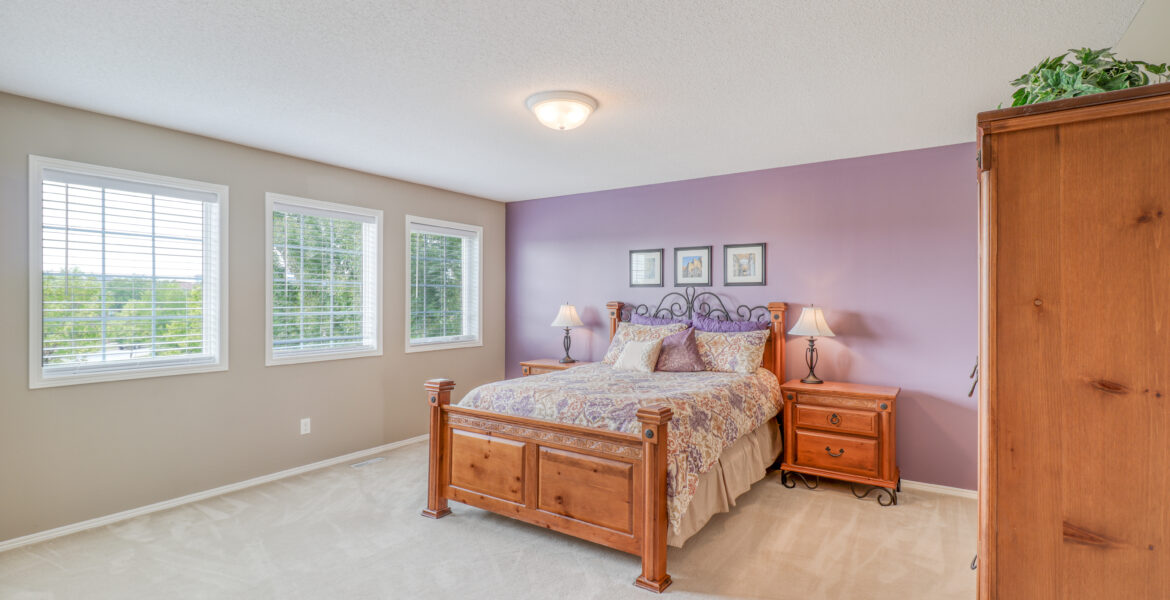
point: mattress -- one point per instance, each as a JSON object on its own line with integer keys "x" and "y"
{"x": 712, "y": 411}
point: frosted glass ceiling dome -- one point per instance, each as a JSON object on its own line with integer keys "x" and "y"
{"x": 561, "y": 110}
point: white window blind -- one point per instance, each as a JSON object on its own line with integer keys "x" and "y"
{"x": 325, "y": 279}
{"x": 129, "y": 281}
{"x": 444, "y": 293}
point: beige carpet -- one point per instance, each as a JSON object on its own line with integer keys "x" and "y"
{"x": 356, "y": 533}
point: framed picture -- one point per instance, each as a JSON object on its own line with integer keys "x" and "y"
{"x": 692, "y": 266}
{"x": 646, "y": 268}
{"x": 743, "y": 264}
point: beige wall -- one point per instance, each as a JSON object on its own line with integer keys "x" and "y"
{"x": 72, "y": 453}
{"x": 1147, "y": 38}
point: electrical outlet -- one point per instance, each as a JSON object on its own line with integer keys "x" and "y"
{"x": 305, "y": 425}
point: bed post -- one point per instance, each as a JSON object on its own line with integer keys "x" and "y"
{"x": 438, "y": 396}
{"x": 777, "y": 311}
{"x": 654, "y": 420}
{"x": 615, "y": 316}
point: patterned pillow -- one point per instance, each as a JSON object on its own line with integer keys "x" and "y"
{"x": 628, "y": 332}
{"x": 708, "y": 324}
{"x": 732, "y": 352}
{"x": 680, "y": 353}
{"x": 639, "y": 356}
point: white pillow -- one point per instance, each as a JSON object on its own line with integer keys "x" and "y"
{"x": 629, "y": 332}
{"x": 639, "y": 356}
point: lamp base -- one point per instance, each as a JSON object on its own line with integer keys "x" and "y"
{"x": 568, "y": 340}
{"x": 810, "y": 359}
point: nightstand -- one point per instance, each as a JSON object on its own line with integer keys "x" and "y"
{"x": 841, "y": 431}
{"x": 547, "y": 365}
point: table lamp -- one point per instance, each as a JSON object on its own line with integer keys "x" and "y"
{"x": 567, "y": 318}
{"x": 811, "y": 323}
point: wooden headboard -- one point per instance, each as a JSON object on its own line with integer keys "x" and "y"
{"x": 688, "y": 303}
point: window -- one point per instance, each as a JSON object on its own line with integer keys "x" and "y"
{"x": 324, "y": 280}
{"x": 128, "y": 274}
{"x": 443, "y": 291}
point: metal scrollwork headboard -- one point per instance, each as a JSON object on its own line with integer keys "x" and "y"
{"x": 690, "y": 302}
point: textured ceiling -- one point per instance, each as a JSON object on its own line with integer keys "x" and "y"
{"x": 433, "y": 91}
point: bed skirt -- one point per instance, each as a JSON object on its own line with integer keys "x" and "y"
{"x": 739, "y": 466}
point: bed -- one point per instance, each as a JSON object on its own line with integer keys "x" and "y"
{"x": 631, "y": 461}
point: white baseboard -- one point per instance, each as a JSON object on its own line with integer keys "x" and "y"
{"x": 64, "y": 530}
{"x": 939, "y": 489}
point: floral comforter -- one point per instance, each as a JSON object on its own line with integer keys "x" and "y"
{"x": 711, "y": 411}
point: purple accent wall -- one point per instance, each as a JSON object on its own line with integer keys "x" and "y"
{"x": 886, "y": 244}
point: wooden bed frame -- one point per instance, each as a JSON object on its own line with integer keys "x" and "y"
{"x": 597, "y": 485}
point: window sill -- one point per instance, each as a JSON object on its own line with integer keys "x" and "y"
{"x": 295, "y": 359}
{"x": 410, "y": 348}
{"x": 38, "y": 380}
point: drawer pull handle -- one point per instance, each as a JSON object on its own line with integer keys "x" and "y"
{"x": 835, "y": 419}
{"x": 830, "y": 451}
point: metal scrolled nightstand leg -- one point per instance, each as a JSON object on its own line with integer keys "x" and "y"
{"x": 890, "y": 498}
{"x": 787, "y": 481}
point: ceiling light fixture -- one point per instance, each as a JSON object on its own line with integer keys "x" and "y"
{"x": 561, "y": 110}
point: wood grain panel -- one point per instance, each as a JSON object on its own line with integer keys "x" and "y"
{"x": 1028, "y": 356}
{"x": 847, "y": 454}
{"x": 600, "y": 535}
{"x": 1114, "y": 387}
{"x": 587, "y": 488}
{"x": 489, "y": 465}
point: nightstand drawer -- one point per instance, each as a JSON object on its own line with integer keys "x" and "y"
{"x": 538, "y": 370}
{"x": 843, "y": 453}
{"x": 836, "y": 419}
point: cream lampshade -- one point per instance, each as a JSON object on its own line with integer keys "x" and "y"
{"x": 811, "y": 323}
{"x": 567, "y": 318}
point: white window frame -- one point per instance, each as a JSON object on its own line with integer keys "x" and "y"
{"x": 36, "y": 376}
{"x": 478, "y": 230}
{"x": 272, "y": 198}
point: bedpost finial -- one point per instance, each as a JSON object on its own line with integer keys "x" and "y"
{"x": 439, "y": 385}
{"x": 654, "y": 415}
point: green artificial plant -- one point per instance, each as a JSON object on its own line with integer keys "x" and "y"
{"x": 1087, "y": 72}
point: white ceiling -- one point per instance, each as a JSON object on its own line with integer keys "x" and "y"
{"x": 432, "y": 91}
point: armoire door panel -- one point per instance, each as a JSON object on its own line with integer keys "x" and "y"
{"x": 1116, "y": 419}
{"x": 1028, "y": 349}
{"x": 1075, "y": 347}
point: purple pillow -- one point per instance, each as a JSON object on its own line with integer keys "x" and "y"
{"x": 680, "y": 353}
{"x": 708, "y": 324}
{"x": 644, "y": 320}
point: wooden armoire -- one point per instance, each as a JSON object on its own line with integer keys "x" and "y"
{"x": 1074, "y": 441}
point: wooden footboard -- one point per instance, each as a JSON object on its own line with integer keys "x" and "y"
{"x": 601, "y": 486}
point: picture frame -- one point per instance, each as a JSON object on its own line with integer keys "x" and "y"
{"x": 692, "y": 266}
{"x": 745, "y": 264}
{"x": 646, "y": 268}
